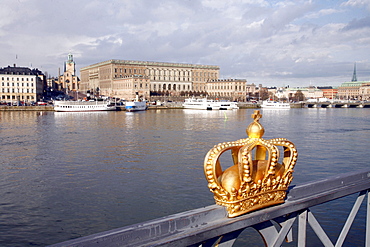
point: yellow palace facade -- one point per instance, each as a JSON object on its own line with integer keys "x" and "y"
{"x": 124, "y": 79}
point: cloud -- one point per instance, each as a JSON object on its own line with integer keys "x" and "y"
{"x": 323, "y": 12}
{"x": 261, "y": 41}
{"x": 363, "y": 23}
{"x": 357, "y": 3}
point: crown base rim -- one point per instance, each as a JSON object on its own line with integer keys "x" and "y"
{"x": 243, "y": 206}
{"x": 255, "y": 208}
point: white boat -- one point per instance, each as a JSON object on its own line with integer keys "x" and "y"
{"x": 227, "y": 105}
{"x": 83, "y": 106}
{"x": 275, "y": 105}
{"x": 201, "y": 104}
{"x": 136, "y": 105}
{"x": 208, "y": 104}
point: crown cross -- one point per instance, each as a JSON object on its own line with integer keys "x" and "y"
{"x": 259, "y": 176}
{"x": 256, "y": 116}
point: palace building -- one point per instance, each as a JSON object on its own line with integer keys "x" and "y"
{"x": 21, "y": 85}
{"x": 124, "y": 79}
{"x": 233, "y": 89}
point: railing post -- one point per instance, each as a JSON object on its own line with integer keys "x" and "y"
{"x": 318, "y": 230}
{"x": 350, "y": 219}
{"x": 227, "y": 240}
{"x": 367, "y": 238}
{"x": 287, "y": 225}
{"x": 302, "y": 228}
{"x": 271, "y": 235}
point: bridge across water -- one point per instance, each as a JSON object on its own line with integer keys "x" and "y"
{"x": 337, "y": 105}
{"x": 209, "y": 226}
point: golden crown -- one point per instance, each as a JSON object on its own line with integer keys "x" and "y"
{"x": 259, "y": 177}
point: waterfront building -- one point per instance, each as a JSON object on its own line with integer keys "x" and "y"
{"x": 174, "y": 79}
{"x": 68, "y": 81}
{"x": 52, "y": 83}
{"x": 310, "y": 92}
{"x": 230, "y": 89}
{"x": 329, "y": 92}
{"x": 126, "y": 87}
{"x": 282, "y": 93}
{"x": 289, "y": 93}
{"x": 21, "y": 84}
{"x": 364, "y": 91}
{"x": 313, "y": 92}
{"x": 351, "y": 90}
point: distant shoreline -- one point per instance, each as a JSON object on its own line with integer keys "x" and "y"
{"x": 122, "y": 108}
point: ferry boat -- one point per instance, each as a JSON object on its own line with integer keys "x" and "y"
{"x": 208, "y": 104}
{"x": 136, "y": 105}
{"x": 275, "y": 105}
{"x": 83, "y": 106}
{"x": 227, "y": 105}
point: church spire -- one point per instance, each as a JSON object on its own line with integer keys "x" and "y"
{"x": 70, "y": 58}
{"x": 354, "y": 77}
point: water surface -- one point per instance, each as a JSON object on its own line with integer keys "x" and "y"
{"x": 66, "y": 175}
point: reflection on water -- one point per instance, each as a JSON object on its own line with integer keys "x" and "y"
{"x": 66, "y": 175}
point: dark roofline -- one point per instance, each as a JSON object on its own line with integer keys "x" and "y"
{"x": 19, "y": 71}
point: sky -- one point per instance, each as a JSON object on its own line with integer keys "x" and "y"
{"x": 273, "y": 43}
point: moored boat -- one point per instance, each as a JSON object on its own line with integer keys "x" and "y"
{"x": 227, "y": 105}
{"x": 83, "y": 106}
{"x": 136, "y": 105}
{"x": 275, "y": 105}
{"x": 201, "y": 104}
{"x": 208, "y": 104}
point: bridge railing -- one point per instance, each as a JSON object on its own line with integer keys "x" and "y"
{"x": 209, "y": 226}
